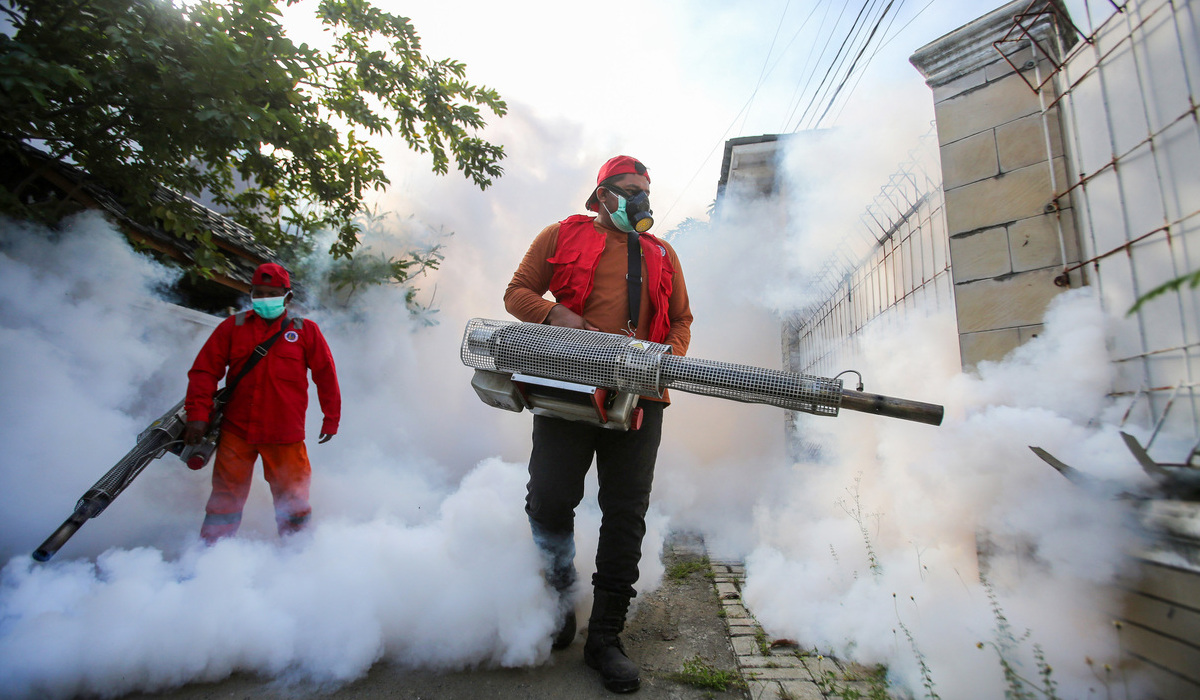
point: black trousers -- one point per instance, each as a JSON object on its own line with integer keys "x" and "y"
{"x": 562, "y": 454}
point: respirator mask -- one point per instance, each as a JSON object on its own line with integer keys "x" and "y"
{"x": 633, "y": 214}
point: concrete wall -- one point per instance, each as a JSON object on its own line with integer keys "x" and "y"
{"x": 1021, "y": 210}
{"x": 1001, "y": 161}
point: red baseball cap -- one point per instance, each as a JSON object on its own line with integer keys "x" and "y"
{"x": 271, "y": 275}
{"x": 617, "y": 165}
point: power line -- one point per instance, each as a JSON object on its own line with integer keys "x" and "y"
{"x": 879, "y": 48}
{"x": 828, "y": 39}
{"x": 807, "y": 60}
{"x": 767, "y": 59}
{"x": 853, "y": 65}
{"x": 836, "y": 59}
{"x": 855, "y": 48}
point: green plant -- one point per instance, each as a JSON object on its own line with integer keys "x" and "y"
{"x": 856, "y": 513}
{"x": 1006, "y": 646}
{"x": 697, "y": 672}
{"x": 1191, "y": 279}
{"x": 763, "y": 642}
{"x": 212, "y": 97}
{"x": 682, "y": 569}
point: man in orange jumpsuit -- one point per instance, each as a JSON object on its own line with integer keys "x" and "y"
{"x": 606, "y": 274}
{"x": 265, "y": 416}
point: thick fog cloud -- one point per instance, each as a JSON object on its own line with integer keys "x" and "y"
{"x": 419, "y": 553}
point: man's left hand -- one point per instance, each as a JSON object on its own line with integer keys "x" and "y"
{"x": 325, "y": 437}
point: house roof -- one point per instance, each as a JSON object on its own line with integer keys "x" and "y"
{"x": 242, "y": 252}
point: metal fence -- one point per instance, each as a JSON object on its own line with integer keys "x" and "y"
{"x": 1127, "y": 94}
{"x": 896, "y": 260}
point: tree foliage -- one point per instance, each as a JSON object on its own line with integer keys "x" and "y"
{"x": 214, "y": 99}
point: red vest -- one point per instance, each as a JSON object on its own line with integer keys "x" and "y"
{"x": 577, "y": 255}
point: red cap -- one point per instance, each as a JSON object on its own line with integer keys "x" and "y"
{"x": 271, "y": 275}
{"x": 618, "y": 165}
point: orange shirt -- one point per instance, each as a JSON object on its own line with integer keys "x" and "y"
{"x": 607, "y": 307}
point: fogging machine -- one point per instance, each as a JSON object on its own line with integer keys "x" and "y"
{"x": 160, "y": 437}
{"x": 597, "y": 378}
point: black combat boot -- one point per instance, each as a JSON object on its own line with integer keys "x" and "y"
{"x": 567, "y": 631}
{"x": 603, "y": 650}
{"x": 558, "y": 559}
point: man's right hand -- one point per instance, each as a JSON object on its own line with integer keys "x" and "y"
{"x": 562, "y": 316}
{"x": 195, "y": 431}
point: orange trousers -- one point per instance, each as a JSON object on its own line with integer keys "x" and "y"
{"x": 287, "y": 471}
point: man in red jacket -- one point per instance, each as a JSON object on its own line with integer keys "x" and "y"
{"x": 266, "y": 414}
{"x": 588, "y": 264}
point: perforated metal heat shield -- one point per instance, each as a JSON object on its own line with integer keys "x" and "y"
{"x": 627, "y": 364}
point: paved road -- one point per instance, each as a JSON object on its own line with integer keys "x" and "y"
{"x": 680, "y": 621}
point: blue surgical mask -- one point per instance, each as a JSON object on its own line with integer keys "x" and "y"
{"x": 269, "y": 307}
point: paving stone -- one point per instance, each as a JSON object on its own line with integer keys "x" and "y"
{"x": 801, "y": 690}
{"x": 859, "y": 687}
{"x": 736, "y": 609}
{"x": 763, "y": 673}
{"x": 777, "y": 661}
{"x": 744, "y": 646}
{"x": 728, "y": 591}
{"x": 765, "y": 690}
{"x": 821, "y": 666}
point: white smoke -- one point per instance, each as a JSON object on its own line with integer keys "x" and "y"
{"x": 880, "y": 540}
{"x": 419, "y": 553}
{"x": 883, "y": 537}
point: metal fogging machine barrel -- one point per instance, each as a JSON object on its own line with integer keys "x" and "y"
{"x": 597, "y": 377}
{"x": 160, "y": 437}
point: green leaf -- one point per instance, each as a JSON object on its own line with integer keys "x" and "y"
{"x": 143, "y": 94}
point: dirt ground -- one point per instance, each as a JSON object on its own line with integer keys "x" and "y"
{"x": 676, "y": 623}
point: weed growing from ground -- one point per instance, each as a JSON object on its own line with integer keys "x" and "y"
{"x": 764, "y": 644}
{"x": 857, "y": 514}
{"x": 697, "y": 672}
{"x": 1006, "y": 644}
{"x": 681, "y": 570}
{"x": 926, "y": 674}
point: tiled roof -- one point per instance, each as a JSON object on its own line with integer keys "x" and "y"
{"x": 228, "y": 233}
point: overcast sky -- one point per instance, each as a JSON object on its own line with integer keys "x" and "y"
{"x": 668, "y": 81}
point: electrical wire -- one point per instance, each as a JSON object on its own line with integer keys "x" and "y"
{"x": 879, "y": 48}
{"x": 853, "y": 65}
{"x": 808, "y": 81}
{"x": 766, "y": 61}
{"x": 832, "y": 64}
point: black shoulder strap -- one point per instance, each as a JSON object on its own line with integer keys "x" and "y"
{"x": 260, "y": 351}
{"x": 634, "y": 277}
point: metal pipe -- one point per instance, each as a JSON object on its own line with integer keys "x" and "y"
{"x": 619, "y": 362}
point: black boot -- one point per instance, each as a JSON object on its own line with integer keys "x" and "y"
{"x": 603, "y": 650}
{"x": 566, "y": 632}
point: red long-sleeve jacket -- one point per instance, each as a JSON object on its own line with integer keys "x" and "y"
{"x": 269, "y": 403}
